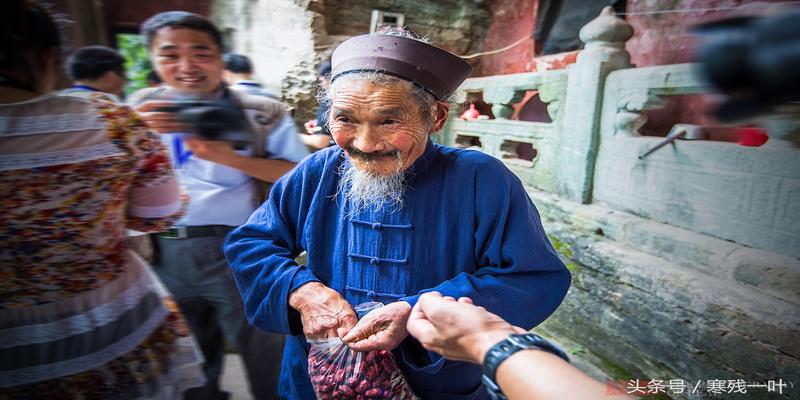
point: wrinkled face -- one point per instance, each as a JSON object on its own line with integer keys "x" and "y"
{"x": 187, "y": 59}
{"x": 381, "y": 128}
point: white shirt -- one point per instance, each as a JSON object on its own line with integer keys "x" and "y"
{"x": 221, "y": 195}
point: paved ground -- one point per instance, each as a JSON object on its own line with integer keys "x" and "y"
{"x": 234, "y": 379}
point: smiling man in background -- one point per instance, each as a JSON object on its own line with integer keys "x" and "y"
{"x": 223, "y": 183}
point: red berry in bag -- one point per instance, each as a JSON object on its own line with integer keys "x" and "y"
{"x": 362, "y": 387}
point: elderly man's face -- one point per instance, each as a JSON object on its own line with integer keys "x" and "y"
{"x": 381, "y": 127}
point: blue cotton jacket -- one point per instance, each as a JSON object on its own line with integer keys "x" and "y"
{"x": 467, "y": 228}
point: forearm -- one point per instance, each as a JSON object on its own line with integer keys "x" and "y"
{"x": 540, "y": 375}
{"x": 535, "y": 374}
{"x": 267, "y": 170}
{"x": 316, "y": 141}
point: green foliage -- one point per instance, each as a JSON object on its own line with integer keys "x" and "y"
{"x": 137, "y": 61}
{"x": 577, "y": 350}
{"x": 561, "y": 247}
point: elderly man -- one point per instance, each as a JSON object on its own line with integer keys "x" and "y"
{"x": 386, "y": 215}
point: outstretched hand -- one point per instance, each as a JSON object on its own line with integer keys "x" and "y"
{"x": 457, "y": 330}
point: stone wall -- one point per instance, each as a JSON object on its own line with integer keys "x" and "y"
{"x": 288, "y": 39}
{"x": 684, "y": 264}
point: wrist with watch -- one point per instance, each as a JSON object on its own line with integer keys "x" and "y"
{"x": 504, "y": 349}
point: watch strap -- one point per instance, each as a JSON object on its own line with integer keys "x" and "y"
{"x": 505, "y": 348}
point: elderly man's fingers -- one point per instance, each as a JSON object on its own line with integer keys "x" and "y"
{"x": 348, "y": 320}
{"x": 320, "y": 326}
{"x": 449, "y": 298}
{"x": 465, "y": 300}
{"x": 370, "y": 343}
{"x": 357, "y": 331}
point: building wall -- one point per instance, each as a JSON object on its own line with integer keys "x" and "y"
{"x": 277, "y": 36}
{"x": 129, "y": 14}
{"x": 288, "y": 39}
{"x": 659, "y": 38}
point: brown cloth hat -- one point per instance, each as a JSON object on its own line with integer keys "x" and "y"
{"x": 427, "y": 66}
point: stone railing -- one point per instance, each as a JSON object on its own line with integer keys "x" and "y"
{"x": 501, "y": 136}
{"x": 745, "y": 194}
{"x": 686, "y": 263}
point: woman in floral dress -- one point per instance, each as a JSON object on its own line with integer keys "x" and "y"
{"x": 81, "y": 316}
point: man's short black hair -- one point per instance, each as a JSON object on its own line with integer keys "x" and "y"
{"x": 153, "y": 78}
{"x": 179, "y": 19}
{"x": 92, "y": 62}
{"x": 238, "y": 63}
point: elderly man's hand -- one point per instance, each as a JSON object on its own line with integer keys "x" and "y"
{"x": 159, "y": 121}
{"x": 458, "y": 330}
{"x": 381, "y": 328}
{"x": 323, "y": 311}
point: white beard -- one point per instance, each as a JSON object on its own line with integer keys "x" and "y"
{"x": 364, "y": 190}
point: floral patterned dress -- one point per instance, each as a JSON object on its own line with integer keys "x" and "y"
{"x": 82, "y": 316}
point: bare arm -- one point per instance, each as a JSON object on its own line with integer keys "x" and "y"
{"x": 267, "y": 170}
{"x": 260, "y": 168}
{"x": 460, "y": 330}
{"x": 537, "y": 374}
{"x": 316, "y": 141}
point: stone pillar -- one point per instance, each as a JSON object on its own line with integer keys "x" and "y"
{"x": 604, "y": 52}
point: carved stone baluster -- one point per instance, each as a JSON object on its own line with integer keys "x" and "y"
{"x": 502, "y": 99}
{"x": 551, "y": 94}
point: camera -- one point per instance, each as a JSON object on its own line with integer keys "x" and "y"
{"x": 220, "y": 120}
{"x": 754, "y": 62}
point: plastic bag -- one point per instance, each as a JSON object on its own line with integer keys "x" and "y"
{"x": 337, "y": 372}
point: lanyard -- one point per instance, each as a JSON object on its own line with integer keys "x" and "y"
{"x": 84, "y": 87}
{"x": 180, "y": 155}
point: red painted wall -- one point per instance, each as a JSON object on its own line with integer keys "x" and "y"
{"x": 664, "y": 38}
{"x": 661, "y": 36}
{"x": 511, "y": 21}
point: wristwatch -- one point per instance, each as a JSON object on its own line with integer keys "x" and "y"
{"x": 504, "y": 349}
